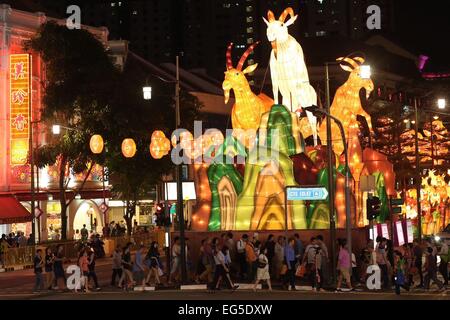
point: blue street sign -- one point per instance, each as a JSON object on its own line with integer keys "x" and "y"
{"x": 306, "y": 194}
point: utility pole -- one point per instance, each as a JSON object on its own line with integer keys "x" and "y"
{"x": 418, "y": 173}
{"x": 180, "y": 209}
{"x": 331, "y": 161}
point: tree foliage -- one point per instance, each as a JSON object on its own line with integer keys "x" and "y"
{"x": 79, "y": 76}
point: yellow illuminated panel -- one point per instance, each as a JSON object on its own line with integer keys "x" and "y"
{"x": 20, "y": 102}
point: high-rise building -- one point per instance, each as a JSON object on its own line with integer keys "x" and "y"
{"x": 201, "y": 29}
{"x": 343, "y": 17}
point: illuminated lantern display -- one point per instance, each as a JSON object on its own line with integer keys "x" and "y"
{"x": 288, "y": 69}
{"x": 159, "y": 145}
{"x": 248, "y": 108}
{"x": 347, "y": 103}
{"x": 128, "y": 148}
{"x": 96, "y": 144}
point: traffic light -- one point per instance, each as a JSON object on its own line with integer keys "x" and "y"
{"x": 373, "y": 208}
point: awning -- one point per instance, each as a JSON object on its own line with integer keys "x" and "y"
{"x": 11, "y": 211}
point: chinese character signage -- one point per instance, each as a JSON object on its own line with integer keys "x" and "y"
{"x": 20, "y": 101}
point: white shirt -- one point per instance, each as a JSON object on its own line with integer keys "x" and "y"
{"x": 219, "y": 258}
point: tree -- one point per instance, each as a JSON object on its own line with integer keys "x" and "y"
{"x": 133, "y": 117}
{"x": 79, "y": 78}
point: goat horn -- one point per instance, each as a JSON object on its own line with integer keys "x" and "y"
{"x": 359, "y": 60}
{"x": 270, "y": 16}
{"x": 245, "y": 55}
{"x": 350, "y": 61}
{"x": 229, "y": 61}
{"x": 289, "y": 11}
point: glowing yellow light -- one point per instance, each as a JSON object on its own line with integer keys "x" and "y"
{"x": 96, "y": 144}
{"x": 128, "y": 148}
{"x": 160, "y": 145}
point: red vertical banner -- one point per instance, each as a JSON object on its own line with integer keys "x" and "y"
{"x": 20, "y": 103}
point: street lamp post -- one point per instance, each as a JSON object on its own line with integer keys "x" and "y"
{"x": 147, "y": 93}
{"x": 347, "y": 177}
{"x": 418, "y": 173}
{"x": 32, "y": 186}
{"x": 330, "y": 175}
{"x": 180, "y": 211}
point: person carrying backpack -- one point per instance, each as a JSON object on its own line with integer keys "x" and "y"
{"x": 399, "y": 272}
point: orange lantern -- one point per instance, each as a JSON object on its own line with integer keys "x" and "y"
{"x": 160, "y": 145}
{"x": 96, "y": 144}
{"x": 128, "y": 148}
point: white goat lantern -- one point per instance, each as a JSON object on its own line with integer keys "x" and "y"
{"x": 288, "y": 68}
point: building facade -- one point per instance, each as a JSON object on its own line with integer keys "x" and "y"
{"x": 22, "y": 74}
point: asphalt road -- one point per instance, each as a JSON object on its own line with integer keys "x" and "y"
{"x": 18, "y": 285}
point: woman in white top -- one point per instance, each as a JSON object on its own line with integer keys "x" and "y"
{"x": 263, "y": 270}
{"x": 222, "y": 269}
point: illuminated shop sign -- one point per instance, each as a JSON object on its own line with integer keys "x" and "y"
{"x": 20, "y": 102}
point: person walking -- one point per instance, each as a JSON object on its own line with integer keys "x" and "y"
{"x": 58, "y": 267}
{"x": 240, "y": 250}
{"x": 262, "y": 273}
{"x": 83, "y": 263}
{"x": 278, "y": 258}
{"x": 207, "y": 261}
{"x": 417, "y": 258}
{"x": 91, "y": 266}
{"x": 400, "y": 272}
{"x": 84, "y": 233}
{"x": 176, "y": 260}
{"x": 116, "y": 265}
{"x": 138, "y": 267}
{"x": 231, "y": 245}
{"x": 48, "y": 267}
{"x": 344, "y": 265}
{"x": 290, "y": 260}
{"x": 250, "y": 256}
{"x": 270, "y": 252}
{"x": 154, "y": 264}
{"x": 38, "y": 263}
{"x": 126, "y": 268}
{"x": 431, "y": 270}
{"x": 312, "y": 249}
{"x": 324, "y": 260}
{"x": 221, "y": 269}
{"x": 444, "y": 253}
{"x": 383, "y": 262}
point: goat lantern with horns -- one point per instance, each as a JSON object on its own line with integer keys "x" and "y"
{"x": 288, "y": 69}
{"x": 249, "y": 107}
{"x": 346, "y": 105}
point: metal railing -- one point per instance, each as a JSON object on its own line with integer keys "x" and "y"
{"x": 23, "y": 256}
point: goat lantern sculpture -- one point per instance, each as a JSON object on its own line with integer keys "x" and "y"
{"x": 346, "y": 105}
{"x": 249, "y": 107}
{"x": 288, "y": 69}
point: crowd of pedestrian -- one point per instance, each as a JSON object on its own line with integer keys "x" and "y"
{"x": 223, "y": 261}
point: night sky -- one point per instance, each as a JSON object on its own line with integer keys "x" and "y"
{"x": 424, "y": 26}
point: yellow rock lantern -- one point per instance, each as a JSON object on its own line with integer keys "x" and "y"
{"x": 96, "y": 144}
{"x": 128, "y": 148}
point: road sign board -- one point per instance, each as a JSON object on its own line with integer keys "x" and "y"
{"x": 307, "y": 193}
{"x": 104, "y": 208}
{"x": 397, "y": 202}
